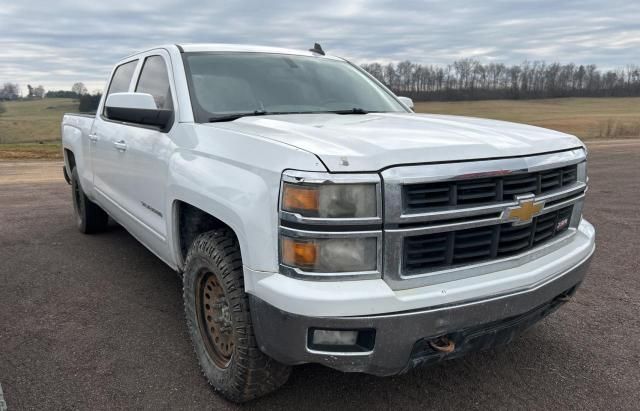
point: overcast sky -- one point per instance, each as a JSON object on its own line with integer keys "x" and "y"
{"x": 58, "y": 42}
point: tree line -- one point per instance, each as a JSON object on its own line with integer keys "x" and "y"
{"x": 465, "y": 79}
{"x": 469, "y": 79}
{"x": 87, "y": 103}
{"x": 13, "y": 91}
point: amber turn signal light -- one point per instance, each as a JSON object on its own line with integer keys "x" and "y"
{"x": 296, "y": 198}
{"x": 299, "y": 253}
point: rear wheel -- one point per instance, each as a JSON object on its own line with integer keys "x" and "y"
{"x": 90, "y": 218}
{"x": 219, "y": 321}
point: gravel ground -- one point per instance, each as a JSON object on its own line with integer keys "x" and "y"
{"x": 95, "y": 322}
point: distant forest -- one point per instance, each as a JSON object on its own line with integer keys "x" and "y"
{"x": 469, "y": 79}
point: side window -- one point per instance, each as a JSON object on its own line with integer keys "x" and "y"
{"x": 121, "y": 79}
{"x": 154, "y": 80}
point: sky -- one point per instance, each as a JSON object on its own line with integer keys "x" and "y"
{"x": 58, "y": 42}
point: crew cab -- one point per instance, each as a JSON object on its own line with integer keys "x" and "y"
{"x": 315, "y": 218}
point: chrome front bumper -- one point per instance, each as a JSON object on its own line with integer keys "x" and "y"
{"x": 398, "y": 336}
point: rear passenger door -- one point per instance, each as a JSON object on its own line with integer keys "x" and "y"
{"x": 147, "y": 154}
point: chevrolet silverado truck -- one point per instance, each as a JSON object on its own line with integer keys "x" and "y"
{"x": 315, "y": 218}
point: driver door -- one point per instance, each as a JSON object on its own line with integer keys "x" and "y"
{"x": 144, "y": 154}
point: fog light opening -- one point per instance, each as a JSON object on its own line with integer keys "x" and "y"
{"x": 341, "y": 340}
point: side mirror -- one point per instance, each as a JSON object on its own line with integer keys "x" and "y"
{"x": 406, "y": 101}
{"x": 139, "y": 108}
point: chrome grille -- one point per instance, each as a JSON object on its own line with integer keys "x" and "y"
{"x": 425, "y": 196}
{"x": 441, "y": 250}
{"x": 448, "y": 221}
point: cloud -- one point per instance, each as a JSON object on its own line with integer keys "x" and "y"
{"x": 59, "y": 43}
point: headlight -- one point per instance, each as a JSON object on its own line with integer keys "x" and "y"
{"x": 330, "y": 200}
{"x": 330, "y": 225}
{"x": 329, "y": 255}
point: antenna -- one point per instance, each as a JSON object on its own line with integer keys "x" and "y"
{"x": 317, "y": 48}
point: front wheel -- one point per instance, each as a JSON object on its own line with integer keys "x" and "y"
{"x": 219, "y": 321}
{"x": 90, "y": 218}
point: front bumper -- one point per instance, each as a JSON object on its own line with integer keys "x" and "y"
{"x": 400, "y": 337}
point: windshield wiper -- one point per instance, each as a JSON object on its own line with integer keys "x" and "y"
{"x": 355, "y": 110}
{"x": 235, "y": 116}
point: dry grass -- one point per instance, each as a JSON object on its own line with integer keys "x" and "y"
{"x": 31, "y": 129}
{"x": 34, "y": 121}
{"x": 586, "y": 118}
{"x": 31, "y": 151}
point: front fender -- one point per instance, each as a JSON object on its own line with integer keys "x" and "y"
{"x": 239, "y": 186}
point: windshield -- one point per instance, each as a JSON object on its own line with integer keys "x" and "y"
{"x": 260, "y": 83}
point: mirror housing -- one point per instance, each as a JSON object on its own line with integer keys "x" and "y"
{"x": 406, "y": 101}
{"x": 138, "y": 108}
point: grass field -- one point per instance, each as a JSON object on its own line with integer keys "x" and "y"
{"x": 34, "y": 121}
{"x": 31, "y": 151}
{"x": 31, "y": 129}
{"x": 586, "y": 118}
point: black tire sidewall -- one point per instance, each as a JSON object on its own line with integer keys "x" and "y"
{"x": 79, "y": 201}
{"x": 192, "y": 275}
{"x": 250, "y": 373}
{"x": 221, "y": 379}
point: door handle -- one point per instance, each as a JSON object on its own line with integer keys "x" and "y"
{"x": 93, "y": 137}
{"x": 120, "y": 145}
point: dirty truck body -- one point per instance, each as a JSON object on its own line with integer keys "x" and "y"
{"x": 316, "y": 218}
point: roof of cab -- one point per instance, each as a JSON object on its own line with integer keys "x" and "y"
{"x": 213, "y": 47}
{"x": 238, "y": 48}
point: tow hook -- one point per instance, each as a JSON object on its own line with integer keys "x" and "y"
{"x": 443, "y": 345}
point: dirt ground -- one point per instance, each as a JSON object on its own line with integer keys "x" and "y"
{"x": 95, "y": 322}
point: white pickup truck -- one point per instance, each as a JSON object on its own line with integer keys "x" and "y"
{"x": 316, "y": 219}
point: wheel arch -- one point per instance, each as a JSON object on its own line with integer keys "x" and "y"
{"x": 189, "y": 222}
{"x": 69, "y": 160}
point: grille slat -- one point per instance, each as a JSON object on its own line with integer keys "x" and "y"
{"x": 419, "y": 251}
{"x": 527, "y": 179}
{"x": 425, "y": 196}
{"x": 470, "y": 244}
{"x": 431, "y": 199}
{"x": 432, "y": 190}
{"x": 512, "y": 247}
{"x": 517, "y": 236}
{"x": 544, "y": 226}
{"x": 472, "y": 196}
{"x": 519, "y": 190}
{"x": 441, "y": 250}
{"x": 461, "y": 235}
{"x": 423, "y": 260}
{"x": 541, "y": 237}
{"x": 471, "y": 254}
{"x": 474, "y": 186}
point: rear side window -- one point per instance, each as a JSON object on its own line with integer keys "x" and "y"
{"x": 122, "y": 77}
{"x": 154, "y": 80}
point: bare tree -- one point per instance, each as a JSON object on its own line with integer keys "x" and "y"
{"x": 79, "y": 88}
{"x": 469, "y": 79}
{"x": 9, "y": 91}
{"x": 38, "y": 92}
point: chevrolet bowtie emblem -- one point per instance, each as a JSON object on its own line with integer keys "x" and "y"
{"x": 526, "y": 209}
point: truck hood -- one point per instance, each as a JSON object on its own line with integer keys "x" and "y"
{"x": 371, "y": 142}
